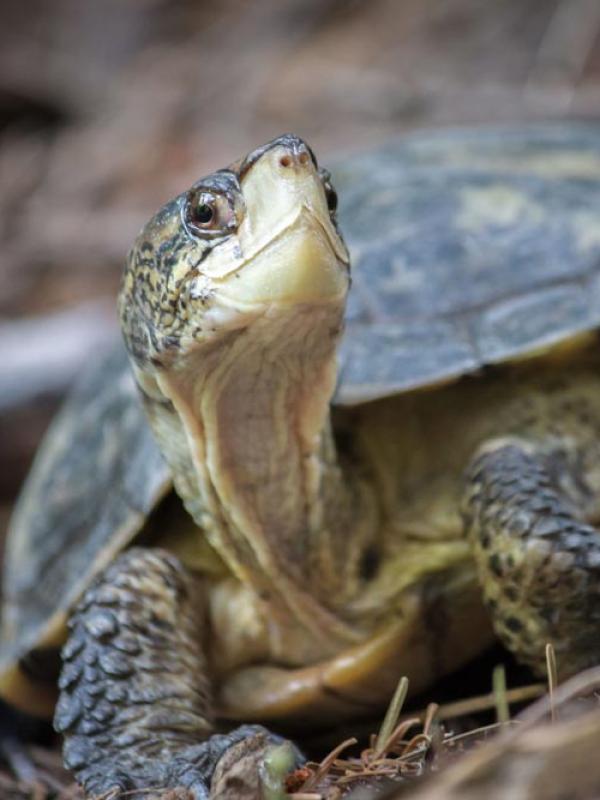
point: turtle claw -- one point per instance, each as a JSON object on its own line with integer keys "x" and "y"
{"x": 225, "y": 766}
{"x": 278, "y": 761}
{"x": 254, "y": 766}
{"x": 135, "y": 697}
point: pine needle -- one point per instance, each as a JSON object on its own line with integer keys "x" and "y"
{"x": 499, "y": 691}
{"x": 392, "y": 715}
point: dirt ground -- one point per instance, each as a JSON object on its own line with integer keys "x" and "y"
{"x": 109, "y": 107}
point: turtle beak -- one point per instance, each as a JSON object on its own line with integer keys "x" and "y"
{"x": 291, "y": 249}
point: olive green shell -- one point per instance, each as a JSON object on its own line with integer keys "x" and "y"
{"x": 468, "y": 248}
{"x": 94, "y": 481}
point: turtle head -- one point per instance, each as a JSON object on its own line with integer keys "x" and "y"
{"x": 231, "y": 306}
{"x": 241, "y": 242}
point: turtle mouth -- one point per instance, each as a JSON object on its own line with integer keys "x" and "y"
{"x": 331, "y": 233}
{"x": 283, "y": 189}
{"x": 286, "y": 250}
{"x": 302, "y": 263}
{"x": 306, "y": 216}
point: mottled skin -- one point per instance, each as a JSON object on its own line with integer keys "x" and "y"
{"x": 136, "y": 703}
{"x": 539, "y": 561}
{"x": 328, "y": 554}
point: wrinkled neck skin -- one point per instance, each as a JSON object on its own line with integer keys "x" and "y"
{"x": 267, "y": 488}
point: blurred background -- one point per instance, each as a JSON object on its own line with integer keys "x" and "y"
{"x": 108, "y": 107}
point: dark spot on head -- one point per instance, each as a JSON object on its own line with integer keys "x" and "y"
{"x": 510, "y": 592}
{"x": 369, "y": 563}
{"x": 513, "y": 624}
{"x": 550, "y": 614}
{"x": 171, "y": 343}
{"x": 495, "y": 564}
{"x": 491, "y": 603}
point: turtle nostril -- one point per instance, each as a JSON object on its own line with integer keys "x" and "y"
{"x": 295, "y": 157}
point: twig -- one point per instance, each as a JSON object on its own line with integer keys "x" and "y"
{"x": 324, "y": 766}
{"x": 431, "y": 713}
{"x": 552, "y": 678}
{"x": 393, "y": 739}
{"x": 484, "y": 702}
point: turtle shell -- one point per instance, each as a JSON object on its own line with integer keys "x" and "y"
{"x": 469, "y": 248}
{"x": 94, "y": 481}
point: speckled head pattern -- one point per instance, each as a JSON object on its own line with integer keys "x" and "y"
{"x": 188, "y": 273}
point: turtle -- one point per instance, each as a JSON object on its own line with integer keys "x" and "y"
{"x": 284, "y": 494}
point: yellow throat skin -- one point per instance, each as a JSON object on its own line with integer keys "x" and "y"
{"x": 238, "y": 389}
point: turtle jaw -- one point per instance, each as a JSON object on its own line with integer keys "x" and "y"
{"x": 299, "y": 266}
{"x": 287, "y": 248}
{"x": 274, "y": 245}
{"x": 285, "y": 253}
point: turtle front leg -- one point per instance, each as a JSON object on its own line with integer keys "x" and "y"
{"x": 135, "y": 696}
{"x": 538, "y": 560}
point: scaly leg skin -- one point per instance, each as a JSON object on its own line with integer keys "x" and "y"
{"x": 134, "y": 706}
{"x": 539, "y": 562}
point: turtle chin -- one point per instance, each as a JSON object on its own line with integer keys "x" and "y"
{"x": 300, "y": 268}
{"x": 300, "y": 273}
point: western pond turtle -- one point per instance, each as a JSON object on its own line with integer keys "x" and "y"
{"x": 313, "y": 552}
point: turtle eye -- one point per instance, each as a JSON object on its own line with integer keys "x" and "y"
{"x": 331, "y": 197}
{"x": 204, "y": 213}
{"x": 208, "y": 214}
{"x": 330, "y": 192}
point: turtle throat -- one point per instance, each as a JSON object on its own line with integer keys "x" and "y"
{"x": 266, "y": 486}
